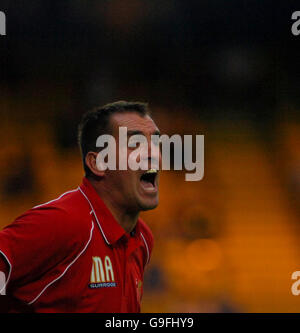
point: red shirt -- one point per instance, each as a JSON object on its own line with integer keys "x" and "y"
{"x": 71, "y": 255}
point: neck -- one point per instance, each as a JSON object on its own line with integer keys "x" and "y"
{"x": 127, "y": 219}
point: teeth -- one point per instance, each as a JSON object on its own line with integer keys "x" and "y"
{"x": 151, "y": 171}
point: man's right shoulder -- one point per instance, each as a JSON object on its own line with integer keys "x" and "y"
{"x": 47, "y": 234}
{"x": 69, "y": 210}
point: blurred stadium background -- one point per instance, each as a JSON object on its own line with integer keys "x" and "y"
{"x": 225, "y": 69}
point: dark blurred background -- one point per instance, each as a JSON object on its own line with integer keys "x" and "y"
{"x": 227, "y": 69}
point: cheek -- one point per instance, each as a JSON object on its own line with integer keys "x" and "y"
{"x": 118, "y": 180}
{"x": 127, "y": 180}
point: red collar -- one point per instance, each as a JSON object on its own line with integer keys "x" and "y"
{"x": 110, "y": 228}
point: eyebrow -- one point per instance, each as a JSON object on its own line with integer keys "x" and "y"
{"x": 137, "y": 132}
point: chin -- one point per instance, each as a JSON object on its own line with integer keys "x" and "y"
{"x": 148, "y": 205}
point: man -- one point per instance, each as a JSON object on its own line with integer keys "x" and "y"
{"x": 86, "y": 250}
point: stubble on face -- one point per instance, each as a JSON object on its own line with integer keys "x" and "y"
{"x": 126, "y": 185}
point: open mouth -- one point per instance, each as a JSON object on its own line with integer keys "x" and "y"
{"x": 148, "y": 179}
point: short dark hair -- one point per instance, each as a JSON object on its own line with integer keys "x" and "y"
{"x": 97, "y": 122}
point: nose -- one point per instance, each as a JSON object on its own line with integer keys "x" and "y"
{"x": 151, "y": 155}
{"x": 154, "y": 155}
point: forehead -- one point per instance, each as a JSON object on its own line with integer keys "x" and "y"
{"x": 133, "y": 121}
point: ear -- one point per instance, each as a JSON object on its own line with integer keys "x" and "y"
{"x": 91, "y": 162}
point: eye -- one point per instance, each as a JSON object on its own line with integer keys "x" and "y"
{"x": 134, "y": 142}
{"x": 133, "y": 139}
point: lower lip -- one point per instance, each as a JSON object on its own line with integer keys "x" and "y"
{"x": 148, "y": 187}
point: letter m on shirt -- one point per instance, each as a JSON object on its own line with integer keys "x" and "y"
{"x": 102, "y": 271}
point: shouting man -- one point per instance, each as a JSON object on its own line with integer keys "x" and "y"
{"x": 86, "y": 251}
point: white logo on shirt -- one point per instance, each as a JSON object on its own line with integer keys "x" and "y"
{"x": 102, "y": 274}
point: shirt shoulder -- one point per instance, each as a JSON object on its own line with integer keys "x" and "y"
{"x": 69, "y": 210}
{"x": 45, "y": 235}
{"x": 61, "y": 223}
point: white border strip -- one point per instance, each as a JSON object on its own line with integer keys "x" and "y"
{"x": 94, "y": 215}
{"x": 10, "y": 269}
{"x": 147, "y": 248}
{"x": 46, "y": 203}
{"x": 49, "y": 284}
